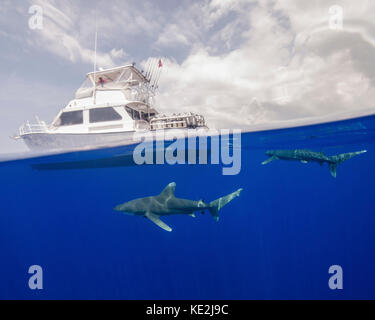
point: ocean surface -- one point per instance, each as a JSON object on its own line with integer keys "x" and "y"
{"x": 276, "y": 241}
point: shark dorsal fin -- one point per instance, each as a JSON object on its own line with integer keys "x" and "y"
{"x": 169, "y": 190}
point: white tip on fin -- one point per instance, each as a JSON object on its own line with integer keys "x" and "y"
{"x": 303, "y": 161}
{"x": 269, "y": 160}
{"x": 169, "y": 190}
{"x": 192, "y": 215}
{"x": 155, "y": 219}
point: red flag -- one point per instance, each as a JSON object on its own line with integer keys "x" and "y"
{"x": 160, "y": 63}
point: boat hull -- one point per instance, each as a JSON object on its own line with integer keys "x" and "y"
{"x": 71, "y": 141}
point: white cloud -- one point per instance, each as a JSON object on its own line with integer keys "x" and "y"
{"x": 69, "y": 29}
{"x": 172, "y": 36}
{"x": 118, "y": 53}
{"x": 59, "y": 35}
{"x": 288, "y": 65}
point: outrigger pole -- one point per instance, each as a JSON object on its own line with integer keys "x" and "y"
{"x": 152, "y": 68}
{"x": 148, "y": 68}
{"x": 158, "y": 75}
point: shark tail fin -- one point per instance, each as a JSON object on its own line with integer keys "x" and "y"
{"x": 341, "y": 158}
{"x": 216, "y": 205}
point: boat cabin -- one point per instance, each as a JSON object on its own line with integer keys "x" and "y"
{"x": 99, "y": 118}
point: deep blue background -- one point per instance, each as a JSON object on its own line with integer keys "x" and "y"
{"x": 277, "y": 240}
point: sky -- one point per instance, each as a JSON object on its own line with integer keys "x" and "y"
{"x": 238, "y": 62}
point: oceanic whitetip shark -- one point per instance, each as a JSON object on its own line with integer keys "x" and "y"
{"x": 306, "y": 156}
{"x": 166, "y": 204}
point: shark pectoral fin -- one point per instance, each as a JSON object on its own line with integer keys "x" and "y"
{"x": 269, "y": 160}
{"x": 192, "y": 215}
{"x": 303, "y": 161}
{"x": 155, "y": 219}
{"x": 333, "y": 169}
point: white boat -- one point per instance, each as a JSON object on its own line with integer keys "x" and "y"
{"x": 109, "y": 107}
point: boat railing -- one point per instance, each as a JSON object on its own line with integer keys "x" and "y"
{"x": 182, "y": 120}
{"x": 38, "y": 127}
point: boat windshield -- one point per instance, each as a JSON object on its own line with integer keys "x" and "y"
{"x": 69, "y": 118}
{"x": 135, "y": 114}
{"x": 87, "y": 83}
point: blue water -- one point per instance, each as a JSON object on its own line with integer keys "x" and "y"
{"x": 277, "y": 240}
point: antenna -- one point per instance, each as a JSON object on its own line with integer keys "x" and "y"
{"x": 96, "y": 42}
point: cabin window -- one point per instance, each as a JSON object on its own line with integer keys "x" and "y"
{"x": 70, "y": 118}
{"x": 103, "y": 114}
{"x": 134, "y": 114}
{"x": 144, "y": 116}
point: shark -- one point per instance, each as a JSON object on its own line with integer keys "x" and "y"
{"x": 306, "y": 156}
{"x": 166, "y": 203}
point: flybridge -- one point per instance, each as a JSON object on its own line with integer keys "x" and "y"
{"x": 120, "y": 78}
{"x": 118, "y": 74}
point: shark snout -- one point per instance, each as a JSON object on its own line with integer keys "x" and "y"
{"x": 129, "y": 207}
{"x": 118, "y": 208}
